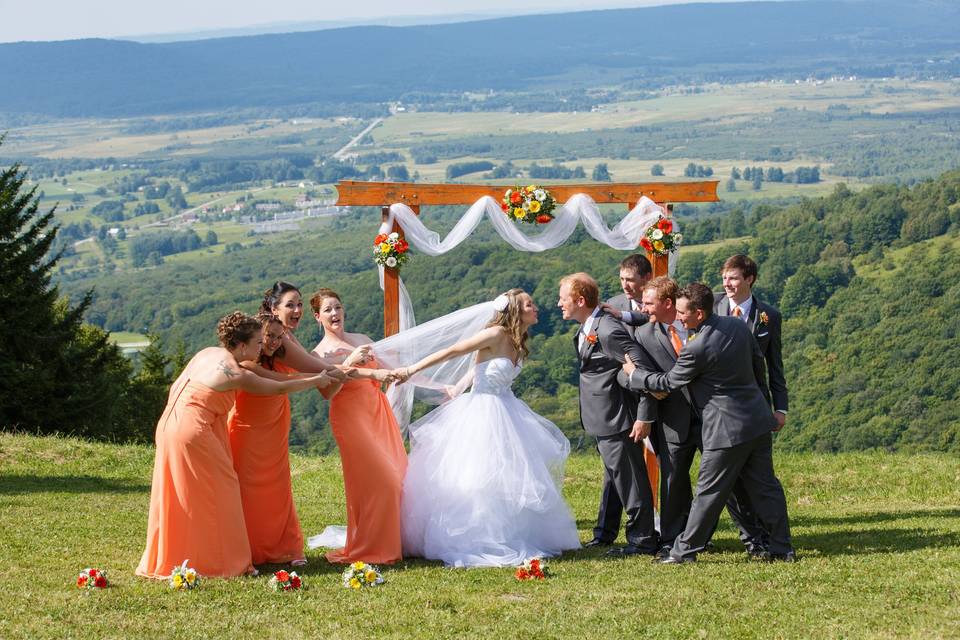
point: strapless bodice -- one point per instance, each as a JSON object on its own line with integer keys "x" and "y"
{"x": 495, "y": 375}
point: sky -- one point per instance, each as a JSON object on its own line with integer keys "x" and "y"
{"x": 71, "y": 19}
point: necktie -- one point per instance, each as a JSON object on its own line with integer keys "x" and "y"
{"x": 737, "y": 312}
{"x": 675, "y": 339}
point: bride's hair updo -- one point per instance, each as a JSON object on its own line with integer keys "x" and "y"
{"x": 236, "y": 328}
{"x": 509, "y": 319}
{"x": 271, "y": 297}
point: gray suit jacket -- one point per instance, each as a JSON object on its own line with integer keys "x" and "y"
{"x": 768, "y": 336}
{"x": 721, "y": 367}
{"x": 622, "y": 302}
{"x": 606, "y": 408}
{"x": 675, "y": 412}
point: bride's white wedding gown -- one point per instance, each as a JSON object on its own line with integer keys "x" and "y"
{"x": 483, "y": 484}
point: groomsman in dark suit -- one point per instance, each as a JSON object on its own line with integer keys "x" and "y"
{"x": 635, "y": 272}
{"x": 720, "y": 365}
{"x": 739, "y": 274}
{"x": 607, "y": 410}
{"x": 676, "y": 432}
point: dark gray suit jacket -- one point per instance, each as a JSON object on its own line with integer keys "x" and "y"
{"x": 768, "y": 336}
{"x": 606, "y": 408}
{"x": 675, "y": 412}
{"x": 721, "y": 367}
{"x": 622, "y": 302}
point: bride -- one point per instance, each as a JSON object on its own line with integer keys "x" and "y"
{"x": 483, "y": 484}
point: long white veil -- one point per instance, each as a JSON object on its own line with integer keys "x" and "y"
{"x": 440, "y": 382}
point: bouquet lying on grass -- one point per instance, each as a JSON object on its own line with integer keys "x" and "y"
{"x": 184, "y": 577}
{"x": 286, "y": 581}
{"x": 360, "y": 575}
{"x": 534, "y": 569}
{"x": 92, "y": 578}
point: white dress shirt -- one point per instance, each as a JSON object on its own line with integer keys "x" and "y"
{"x": 745, "y": 308}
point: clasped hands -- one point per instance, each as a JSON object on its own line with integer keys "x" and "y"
{"x": 629, "y": 368}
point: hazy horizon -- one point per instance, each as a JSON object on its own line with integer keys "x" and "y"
{"x": 49, "y": 20}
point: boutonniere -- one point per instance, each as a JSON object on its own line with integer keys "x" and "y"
{"x": 592, "y": 338}
{"x": 764, "y": 318}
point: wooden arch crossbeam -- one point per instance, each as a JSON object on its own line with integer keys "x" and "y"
{"x": 415, "y": 195}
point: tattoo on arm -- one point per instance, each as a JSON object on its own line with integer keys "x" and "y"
{"x": 227, "y": 371}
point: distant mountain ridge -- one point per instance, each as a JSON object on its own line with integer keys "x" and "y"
{"x": 647, "y": 46}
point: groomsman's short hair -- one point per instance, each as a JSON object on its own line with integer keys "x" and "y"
{"x": 698, "y": 296}
{"x": 639, "y": 263}
{"x": 664, "y": 288}
{"x": 582, "y": 284}
{"x": 743, "y": 263}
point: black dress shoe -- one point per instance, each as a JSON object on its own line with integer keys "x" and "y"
{"x": 766, "y": 556}
{"x": 755, "y": 552}
{"x": 675, "y": 560}
{"x": 662, "y": 552}
{"x": 629, "y": 550}
{"x": 596, "y": 542}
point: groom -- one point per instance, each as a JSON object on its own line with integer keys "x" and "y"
{"x": 608, "y": 411}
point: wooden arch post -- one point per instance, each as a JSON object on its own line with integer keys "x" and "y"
{"x": 415, "y": 195}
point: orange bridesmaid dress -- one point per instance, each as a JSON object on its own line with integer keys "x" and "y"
{"x": 195, "y": 509}
{"x": 374, "y": 464}
{"x": 259, "y": 428}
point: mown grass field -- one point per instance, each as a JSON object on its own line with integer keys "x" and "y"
{"x": 878, "y": 536}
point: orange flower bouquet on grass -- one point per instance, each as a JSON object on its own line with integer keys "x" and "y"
{"x": 530, "y": 205}
{"x": 286, "y": 581}
{"x": 660, "y": 238}
{"x": 92, "y": 578}
{"x": 534, "y": 569}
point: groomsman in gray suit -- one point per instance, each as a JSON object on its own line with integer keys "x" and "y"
{"x": 676, "y": 433}
{"x": 635, "y": 272}
{"x": 739, "y": 274}
{"x": 607, "y": 410}
{"x": 720, "y": 365}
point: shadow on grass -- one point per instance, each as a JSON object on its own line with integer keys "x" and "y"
{"x": 873, "y": 517}
{"x": 14, "y": 484}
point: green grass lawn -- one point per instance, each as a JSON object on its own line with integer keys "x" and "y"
{"x": 878, "y": 536}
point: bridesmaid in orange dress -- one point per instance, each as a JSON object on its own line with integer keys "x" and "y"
{"x": 371, "y": 447}
{"x": 259, "y": 429}
{"x": 195, "y": 508}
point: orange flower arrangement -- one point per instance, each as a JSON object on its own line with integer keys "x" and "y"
{"x": 534, "y": 569}
{"x": 660, "y": 238}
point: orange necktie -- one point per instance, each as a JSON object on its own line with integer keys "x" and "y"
{"x": 737, "y": 312}
{"x": 675, "y": 339}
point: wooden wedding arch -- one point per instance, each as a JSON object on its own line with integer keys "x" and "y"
{"x": 416, "y": 195}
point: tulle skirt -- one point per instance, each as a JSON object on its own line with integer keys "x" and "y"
{"x": 483, "y": 484}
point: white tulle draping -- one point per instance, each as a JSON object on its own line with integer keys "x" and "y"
{"x": 408, "y": 346}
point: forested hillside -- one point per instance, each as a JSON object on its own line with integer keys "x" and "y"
{"x": 867, "y": 282}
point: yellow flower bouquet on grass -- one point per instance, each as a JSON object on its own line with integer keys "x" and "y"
{"x": 184, "y": 578}
{"x": 361, "y": 575}
{"x": 531, "y": 205}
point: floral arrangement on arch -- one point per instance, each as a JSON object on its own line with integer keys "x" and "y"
{"x": 360, "y": 575}
{"x": 533, "y": 569}
{"x": 531, "y": 205}
{"x": 390, "y": 250}
{"x": 92, "y": 578}
{"x": 184, "y": 578}
{"x": 660, "y": 238}
{"x": 286, "y": 581}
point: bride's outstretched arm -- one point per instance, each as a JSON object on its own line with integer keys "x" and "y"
{"x": 486, "y": 338}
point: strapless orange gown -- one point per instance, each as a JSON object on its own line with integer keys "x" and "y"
{"x": 374, "y": 465}
{"x": 259, "y": 428}
{"x": 195, "y": 508}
